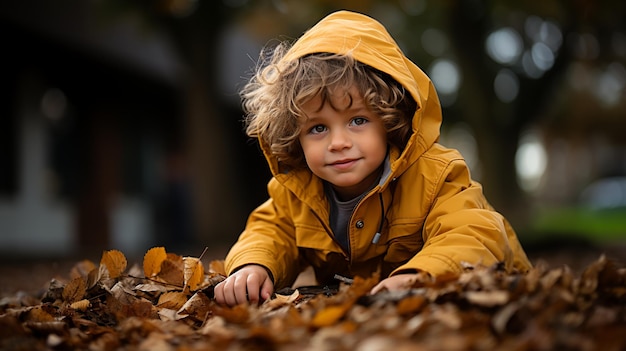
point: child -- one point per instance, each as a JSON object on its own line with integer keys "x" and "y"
{"x": 349, "y": 127}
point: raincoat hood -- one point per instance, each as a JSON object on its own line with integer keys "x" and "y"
{"x": 368, "y": 41}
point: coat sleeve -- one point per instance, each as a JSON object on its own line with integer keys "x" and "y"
{"x": 268, "y": 240}
{"x": 461, "y": 227}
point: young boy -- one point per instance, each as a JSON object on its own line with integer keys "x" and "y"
{"x": 349, "y": 127}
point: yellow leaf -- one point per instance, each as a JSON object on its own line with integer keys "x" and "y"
{"x": 152, "y": 261}
{"x": 329, "y": 315}
{"x": 114, "y": 261}
{"x": 411, "y": 304}
{"x": 217, "y": 266}
{"x": 193, "y": 273}
{"x": 81, "y": 305}
{"x": 74, "y": 290}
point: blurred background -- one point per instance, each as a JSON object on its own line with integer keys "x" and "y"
{"x": 120, "y": 122}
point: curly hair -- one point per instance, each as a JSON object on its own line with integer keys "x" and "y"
{"x": 273, "y": 97}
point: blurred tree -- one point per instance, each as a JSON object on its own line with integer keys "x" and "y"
{"x": 552, "y": 28}
{"x": 195, "y": 28}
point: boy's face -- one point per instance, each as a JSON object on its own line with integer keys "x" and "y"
{"x": 344, "y": 142}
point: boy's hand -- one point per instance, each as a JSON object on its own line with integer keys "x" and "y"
{"x": 251, "y": 283}
{"x": 399, "y": 282}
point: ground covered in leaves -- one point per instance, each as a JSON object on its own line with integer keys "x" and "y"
{"x": 165, "y": 303}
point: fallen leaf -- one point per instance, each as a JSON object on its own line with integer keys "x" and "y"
{"x": 501, "y": 318}
{"x": 152, "y": 261}
{"x": 172, "y": 270}
{"x": 82, "y": 269}
{"x": 487, "y": 298}
{"x": 197, "y": 307}
{"x": 216, "y": 327}
{"x": 173, "y": 300}
{"x": 281, "y": 300}
{"x": 193, "y": 273}
{"x": 115, "y": 263}
{"x": 167, "y": 314}
{"x": 81, "y": 305}
{"x": 123, "y": 294}
{"x": 238, "y": 314}
{"x": 329, "y": 316}
{"x": 151, "y": 288}
{"x": 411, "y": 305}
{"x": 217, "y": 266}
{"x": 38, "y": 314}
{"x": 448, "y": 316}
{"x": 481, "y": 308}
{"x": 74, "y": 290}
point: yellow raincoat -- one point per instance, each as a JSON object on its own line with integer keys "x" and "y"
{"x": 434, "y": 217}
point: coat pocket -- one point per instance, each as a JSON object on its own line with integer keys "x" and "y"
{"x": 403, "y": 242}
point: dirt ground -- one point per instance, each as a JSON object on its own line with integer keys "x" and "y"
{"x": 31, "y": 275}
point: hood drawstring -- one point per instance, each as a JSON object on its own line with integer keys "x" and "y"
{"x": 378, "y": 234}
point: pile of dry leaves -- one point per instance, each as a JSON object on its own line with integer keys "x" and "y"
{"x": 167, "y": 305}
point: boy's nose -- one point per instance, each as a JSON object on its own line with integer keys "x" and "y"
{"x": 339, "y": 140}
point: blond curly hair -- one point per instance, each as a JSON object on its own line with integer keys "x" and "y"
{"x": 273, "y": 97}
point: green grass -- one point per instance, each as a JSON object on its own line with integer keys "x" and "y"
{"x": 593, "y": 225}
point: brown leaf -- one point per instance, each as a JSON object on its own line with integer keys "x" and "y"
{"x": 151, "y": 288}
{"x": 172, "y": 270}
{"x": 197, "y": 307}
{"x": 74, "y": 290}
{"x": 39, "y": 314}
{"x": 216, "y": 327}
{"x": 115, "y": 263}
{"x": 82, "y": 269}
{"x": 589, "y": 279}
{"x": 94, "y": 276}
{"x": 123, "y": 294}
{"x": 238, "y": 314}
{"x": 47, "y": 327}
{"x": 131, "y": 306}
{"x": 152, "y": 261}
{"x": 173, "y": 300}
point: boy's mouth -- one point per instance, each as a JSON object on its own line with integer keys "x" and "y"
{"x": 345, "y": 163}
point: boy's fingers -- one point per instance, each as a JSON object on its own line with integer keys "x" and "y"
{"x": 241, "y": 290}
{"x": 377, "y": 288}
{"x": 229, "y": 293}
{"x": 253, "y": 288}
{"x": 218, "y": 293}
{"x": 267, "y": 289}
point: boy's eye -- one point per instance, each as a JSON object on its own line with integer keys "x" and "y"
{"x": 318, "y": 129}
{"x": 359, "y": 120}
